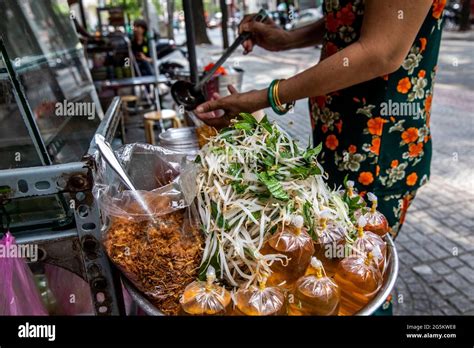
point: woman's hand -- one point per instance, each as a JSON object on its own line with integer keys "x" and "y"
{"x": 267, "y": 34}
{"x": 218, "y": 111}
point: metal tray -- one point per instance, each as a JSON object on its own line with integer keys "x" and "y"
{"x": 389, "y": 282}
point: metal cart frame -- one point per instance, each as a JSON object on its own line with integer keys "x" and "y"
{"x": 78, "y": 249}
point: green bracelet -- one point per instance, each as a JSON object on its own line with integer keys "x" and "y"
{"x": 278, "y": 109}
{"x": 271, "y": 99}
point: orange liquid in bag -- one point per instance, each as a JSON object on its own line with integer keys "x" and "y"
{"x": 359, "y": 280}
{"x": 260, "y": 300}
{"x": 366, "y": 242}
{"x": 205, "y": 298}
{"x": 330, "y": 243}
{"x": 376, "y": 222}
{"x": 297, "y": 245}
{"x": 314, "y": 293}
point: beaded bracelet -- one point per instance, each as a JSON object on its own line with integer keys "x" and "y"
{"x": 274, "y": 99}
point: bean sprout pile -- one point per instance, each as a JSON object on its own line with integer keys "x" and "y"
{"x": 253, "y": 180}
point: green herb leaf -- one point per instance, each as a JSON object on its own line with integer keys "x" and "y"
{"x": 234, "y": 169}
{"x": 274, "y": 186}
{"x": 244, "y": 126}
{"x": 218, "y": 150}
{"x": 265, "y": 123}
{"x": 257, "y": 215}
{"x": 302, "y": 172}
{"x": 344, "y": 182}
{"x": 284, "y": 153}
{"x": 239, "y": 187}
{"x": 213, "y": 261}
{"x": 312, "y": 152}
{"x": 248, "y": 117}
{"x": 309, "y": 219}
{"x": 269, "y": 160}
{"x": 218, "y": 217}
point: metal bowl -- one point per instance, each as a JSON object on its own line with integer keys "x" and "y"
{"x": 391, "y": 274}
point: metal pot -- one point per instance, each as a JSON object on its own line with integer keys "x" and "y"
{"x": 182, "y": 140}
{"x": 389, "y": 282}
{"x": 235, "y": 77}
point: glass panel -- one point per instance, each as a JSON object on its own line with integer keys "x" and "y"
{"x": 49, "y": 61}
{"x": 16, "y": 147}
{"x": 27, "y": 214}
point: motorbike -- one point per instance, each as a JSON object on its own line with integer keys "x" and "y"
{"x": 164, "y": 48}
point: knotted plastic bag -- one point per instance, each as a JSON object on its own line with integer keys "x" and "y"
{"x": 205, "y": 298}
{"x": 359, "y": 280}
{"x": 315, "y": 293}
{"x": 367, "y": 241}
{"x": 331, "y": 238}
{"x": 260, "y": 300}
{"x": 376, "y": 221}
{"x": 296, "y": 244}
{"x": 18, "y": 292}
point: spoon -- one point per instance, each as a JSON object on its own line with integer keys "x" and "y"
{"x": 109, "y": 156}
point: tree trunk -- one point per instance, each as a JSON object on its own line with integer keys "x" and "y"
{"x": 200, "y": 26}
{"x": 225, "y": 20}
{"x": 170, "y": 8}
{"x": 464, "y": 23}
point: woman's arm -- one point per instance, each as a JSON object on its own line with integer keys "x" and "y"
{"x": 307, "y": 36}
{"x": 388, "y": 31}
{"x": 273, "y": 38}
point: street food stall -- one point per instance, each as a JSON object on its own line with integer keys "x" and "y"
{"x": 203, "y": 225}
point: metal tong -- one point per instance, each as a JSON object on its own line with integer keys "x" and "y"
{"x": 190, "y": 95}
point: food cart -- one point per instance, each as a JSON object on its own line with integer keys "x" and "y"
{"x": 52, "y": 116}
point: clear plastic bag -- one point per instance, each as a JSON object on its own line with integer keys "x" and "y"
{"x": 18, "y": 292}
{"x": 330, "y": 241}
{"x": 376, "y": 222}
{"x": 260, "y": 300}
{"x": 166, "y": 180}
{"x": 367, "y": 242}
{"x": 161, "y": 253}
{"x": 359, "y": 280}
{"x": 315, "y": 293}
{"x": 205, "y": 298}
{"x": 297, "y": 245}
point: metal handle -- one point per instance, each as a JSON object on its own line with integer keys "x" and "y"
{"x": 109, "y": 156}
{"x": 261, "y": 16}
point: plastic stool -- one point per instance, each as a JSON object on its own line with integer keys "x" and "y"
{"x": 126, "y": 100}
{"x": 150, "y": 118}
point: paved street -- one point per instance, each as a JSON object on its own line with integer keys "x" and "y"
{"x": 436, "y": 245}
